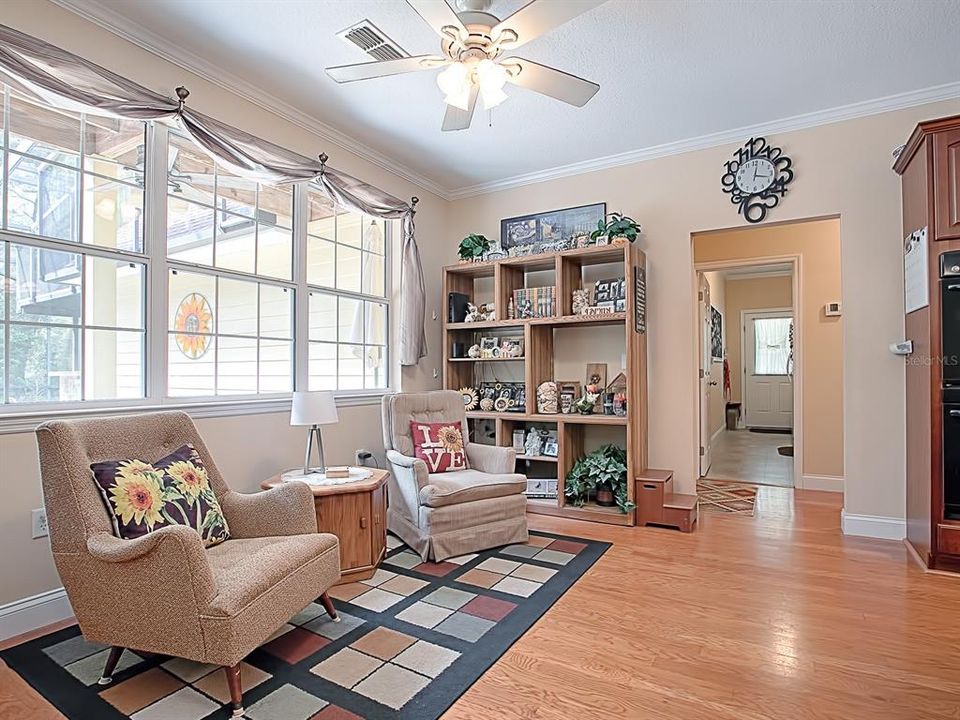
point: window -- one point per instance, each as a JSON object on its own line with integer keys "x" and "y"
{"x": 94, "y": 243}
{"x": 346, "y": 275}
{"x": 772, "y": 345}
{"x": 72, "y": 319}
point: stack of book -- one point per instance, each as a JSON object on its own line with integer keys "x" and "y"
{"x": 535, "y": 302}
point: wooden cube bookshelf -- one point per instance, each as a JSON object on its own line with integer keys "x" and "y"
{"x": 541, "y": 352}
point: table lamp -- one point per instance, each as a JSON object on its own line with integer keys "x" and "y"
{"x": 313, "y": 409}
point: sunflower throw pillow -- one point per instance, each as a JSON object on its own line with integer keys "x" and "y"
{"x": 142, "y": 497}
{"x": 439, "y": 445}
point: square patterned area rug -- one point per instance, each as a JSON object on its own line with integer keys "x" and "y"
{"x": 726, "y": 497}
{"x": 412, "y": 639}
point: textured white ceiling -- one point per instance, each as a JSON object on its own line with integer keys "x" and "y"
{"x": 668, "y": 70}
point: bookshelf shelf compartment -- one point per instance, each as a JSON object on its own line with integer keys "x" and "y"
{"x": 553, "y": 345}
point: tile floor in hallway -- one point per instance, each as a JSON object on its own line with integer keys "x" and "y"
{"x": 751, "y": 457}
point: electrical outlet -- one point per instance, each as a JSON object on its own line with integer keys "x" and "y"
{"x": 38, "y": 523}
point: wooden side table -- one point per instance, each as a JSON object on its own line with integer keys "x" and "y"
{"x": 357, "y": 514}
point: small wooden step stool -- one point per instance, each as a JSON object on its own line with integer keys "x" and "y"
{"x": 657, "y": 504}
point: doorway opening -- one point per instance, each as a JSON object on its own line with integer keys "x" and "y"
{"x": 769, "y": 377}
{"x": 746, "y": 375}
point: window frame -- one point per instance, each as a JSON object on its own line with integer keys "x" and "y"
{"x": 18, "y": 417}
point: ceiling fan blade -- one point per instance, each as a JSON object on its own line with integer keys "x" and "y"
{"x": 438, "y": 15}
{"x": 541, "y": 16}
{"x": 383, "y": 68}
{"x": 550, "y": 81}
{"x": 457, "y": 119}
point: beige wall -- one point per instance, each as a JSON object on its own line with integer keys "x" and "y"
{"x": 821, "y": 349}
{"x": 718, "y": 402}
{"x": 753, "y": 294}
{"x": 247, "y": 448}
{"x": 842, "y": 169}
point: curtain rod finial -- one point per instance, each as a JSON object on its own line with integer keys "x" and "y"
{"x": 414, "y": 200}
{"x": 323, "y": 158}
{"x": 182, "y": 93}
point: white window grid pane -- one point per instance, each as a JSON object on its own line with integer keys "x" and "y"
{"x": 65, "y": 216}
{"x": 357, "y": 341}
{"x": 234, "y": 222}
{"x": 238, "y": 357}
{"x": 77, "y": 378}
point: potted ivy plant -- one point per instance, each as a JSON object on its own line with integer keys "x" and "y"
{"x": 618, "y": 227}
{"x": 601, "y": 474}
{"x": 473, "y": 247}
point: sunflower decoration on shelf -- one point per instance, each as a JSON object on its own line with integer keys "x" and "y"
{"x": 193, "y": 323}
{"x": 470, "y": 398}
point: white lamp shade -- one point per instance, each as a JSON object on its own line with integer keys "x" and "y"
{"x": 313, "y": 408}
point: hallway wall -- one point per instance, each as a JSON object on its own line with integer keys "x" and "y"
{"x": 750, "y": 294}
{"x": 817, "y": 243}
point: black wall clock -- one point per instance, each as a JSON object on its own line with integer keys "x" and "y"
{"x": 756, "y": 178}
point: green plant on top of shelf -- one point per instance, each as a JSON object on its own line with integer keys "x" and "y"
{"x": 473, "y": 247}
{"x": 603, "y": 469}
{"x": 617, "y": 225}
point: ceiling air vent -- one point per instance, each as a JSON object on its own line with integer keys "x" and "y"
{"x": 368, "y": 37}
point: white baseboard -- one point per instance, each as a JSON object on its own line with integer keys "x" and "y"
{"x": 717, "y": 433}
{"x": 874, "y": 526}
{"x": 827, "y": 483}
{"x": 34, "y": 612}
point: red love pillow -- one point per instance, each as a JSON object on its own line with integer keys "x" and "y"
{"x": 439, "y": 445}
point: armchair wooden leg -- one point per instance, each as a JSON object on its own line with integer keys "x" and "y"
{"x": 236, "y": 689}
{"x": 112, "y": 659}
{"x": 328, "y": 606}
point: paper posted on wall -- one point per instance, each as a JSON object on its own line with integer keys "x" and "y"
{"x": 916, "y": 281}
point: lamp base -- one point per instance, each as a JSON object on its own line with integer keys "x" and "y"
{"x": 314, "y": 430}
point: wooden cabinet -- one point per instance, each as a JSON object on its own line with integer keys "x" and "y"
{"x": 356, "y": 514}
{"x": 946, "y": 184}
{"x": 929, "y": 168}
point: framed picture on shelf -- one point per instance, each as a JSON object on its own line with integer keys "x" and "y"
{"x": 609, "y": 290}
{"x": 519, "y": 438}
{"x": 566, "y": 401}
{"x": 511, "y": 347}
{"x": 554, "y": 228}
{"x": 550, "y": 447}
{"x": 489, "y": 347}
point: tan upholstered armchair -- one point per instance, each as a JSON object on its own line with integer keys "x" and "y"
{"x": 163, "y": 592}
{"x": 446, "y": 514}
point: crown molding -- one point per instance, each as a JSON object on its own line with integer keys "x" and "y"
{"x": 890, "y": 103}
{"x": 111, "y": 20}
{"x": 116, "y": 23}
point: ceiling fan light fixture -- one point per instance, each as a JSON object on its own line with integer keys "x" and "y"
{"x": 459, "y": 99}
{"x": 491, "y": 78}
{"x": 455, "y": 80}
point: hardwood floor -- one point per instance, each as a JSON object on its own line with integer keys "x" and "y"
{"x": 776, "y": 616}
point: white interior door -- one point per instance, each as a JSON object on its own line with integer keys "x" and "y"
{"x": 767, "y": 380}
{"x": 703, "y": 305}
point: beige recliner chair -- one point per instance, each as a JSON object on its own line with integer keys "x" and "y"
{"x": 447, "y": 514}
{"x": 163, "y": 592}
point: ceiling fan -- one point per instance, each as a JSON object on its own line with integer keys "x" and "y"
{"x": 473, "y": 43}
